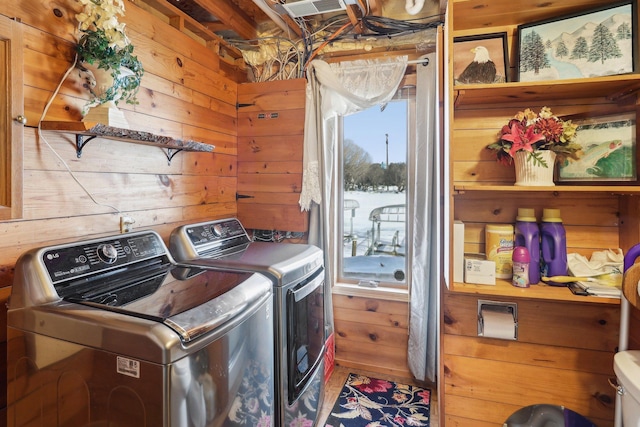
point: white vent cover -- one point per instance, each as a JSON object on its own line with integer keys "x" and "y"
{"x": 299, "y": 8}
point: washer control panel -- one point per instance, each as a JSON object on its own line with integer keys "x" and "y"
{"x": 66, "y": 262}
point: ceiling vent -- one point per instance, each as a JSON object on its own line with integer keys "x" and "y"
{"x": 299, "y": 8}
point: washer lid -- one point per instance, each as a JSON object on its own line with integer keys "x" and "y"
{"x": 192, "y": 302}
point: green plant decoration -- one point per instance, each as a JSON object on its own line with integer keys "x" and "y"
{"x": 103, "y": 43}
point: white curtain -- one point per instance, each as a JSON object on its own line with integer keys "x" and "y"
{"x": 333, "y": 90}
{"x": 340, "y": 89}
{"x": 426, "y": 218}
{"x": 345, "y": 88}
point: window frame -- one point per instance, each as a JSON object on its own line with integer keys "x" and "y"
{"x": 404, "y": 92}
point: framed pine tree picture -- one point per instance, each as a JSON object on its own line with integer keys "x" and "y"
{"x": 598, "y": 42}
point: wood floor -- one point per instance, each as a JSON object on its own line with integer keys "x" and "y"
{"x": 339, "y": 376}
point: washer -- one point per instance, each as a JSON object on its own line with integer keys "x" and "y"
{"x": 112, "y": 332}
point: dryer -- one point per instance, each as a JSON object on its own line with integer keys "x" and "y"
{"x": 297, "y": 275}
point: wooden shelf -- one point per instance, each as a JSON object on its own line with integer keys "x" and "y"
{"x": 610, "y": 88}
{"x": 540, "y": 291}
{"x": 586, "y": 188}
{"x": 85, "y": 132}
{"x": 481, "y": 14}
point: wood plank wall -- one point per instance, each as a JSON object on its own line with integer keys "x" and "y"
{"x": 564, "y": 353}
{"x": 187, "y": 92}
{"x": 270, "y": 147}
{"x": 372, "y": 333}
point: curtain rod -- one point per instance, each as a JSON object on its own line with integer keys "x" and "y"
{"x": 424, "y": 61}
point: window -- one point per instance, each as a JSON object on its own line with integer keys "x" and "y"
{"x": 373, "y": 196}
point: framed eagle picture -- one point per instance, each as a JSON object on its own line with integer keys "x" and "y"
{"x": 480, "y": 59}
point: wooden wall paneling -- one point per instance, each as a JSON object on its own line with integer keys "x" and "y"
{"x": 488, "y": 172}
{"x": 184, "y": 94}
{"x": 600, "y": 209}
{"x": 265, "y": 148}
{"x": 225, "y": 143}
{"x": 217, "y": 110}
{"x": 589, "y": 229}
{"x": 261, "y": 198}
{"x": 476, "y": 127}
{"x": 272, "y": 217}
{"x": 177, "y": 110}
{"x": 497, "y": 12}
{"x": 280, "y": 94}
{"x": 576, "y": 243}
{"x": 462, "y": 411}
{"x": 371, "y": 304}
{"x": 63, "y": 196}
{"x": 287, "y": 122}
{"x": 20, "y": 236}
{"x": 371, "y": 332}
{"x": 564, "y": 352}
{"x": 270, "y": 147}
{"x": 553, "y": 360}
{"x": 634, "y": 327}
{"x": 267, "y": 183}
{"x": 213, "y": 164}
{"x": 286, "y": 168}
{"x": 524, "y": 385}
{"x": 373, "y": 356}
{"x": 52, "y": 18}
{"x": 538, "y": 322}
{"x": 200, "y": 213}
{"x": 558, "y": 357}
{"x": 99, "y": 155}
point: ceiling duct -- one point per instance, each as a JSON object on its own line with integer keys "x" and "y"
{"x": 299, "y": 8}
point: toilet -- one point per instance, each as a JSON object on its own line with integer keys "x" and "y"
{"x": 626, "y": 365}
{"x": 544, "y": 415}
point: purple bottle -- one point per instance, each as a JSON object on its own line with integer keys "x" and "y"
{"x": 553, "y": 245}
{"x": 527, "y": 234}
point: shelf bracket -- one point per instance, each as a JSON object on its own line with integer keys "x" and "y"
{"x": 81, "y": 141}
{"x": 625, "y": 93}
{"x": 458, "y": 97}
{"x": 170, "y": 153}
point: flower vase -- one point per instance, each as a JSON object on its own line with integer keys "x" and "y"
{"x": 530, "y": 172}
{"x": 107, "y": 113}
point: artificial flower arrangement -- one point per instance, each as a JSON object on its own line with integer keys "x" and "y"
{"x": 532, "y": 132}
{"x": 104, "y": 43}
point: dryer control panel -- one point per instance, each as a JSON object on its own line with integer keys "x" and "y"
{"x": 216, "y": 238}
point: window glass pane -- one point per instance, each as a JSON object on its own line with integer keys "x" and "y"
{"x": 374, "y": 194}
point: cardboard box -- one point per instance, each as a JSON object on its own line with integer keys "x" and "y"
{"x": 478, "y": 270}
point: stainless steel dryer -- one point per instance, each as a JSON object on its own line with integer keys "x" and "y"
{"x": 112, "y": 332}
{"x": 297, "y": 275}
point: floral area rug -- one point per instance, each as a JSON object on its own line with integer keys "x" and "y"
{"x": 370, "y": 402}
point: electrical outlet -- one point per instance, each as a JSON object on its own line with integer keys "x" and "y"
{"x": 125, "y": 223}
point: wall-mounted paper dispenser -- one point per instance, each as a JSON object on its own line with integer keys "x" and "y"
{"x": 497, "y": 319}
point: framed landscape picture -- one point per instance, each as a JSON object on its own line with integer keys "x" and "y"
{"x": 609, "y": 151}
{"x": 599, "y": 42}
{"x": 480, "y": 59}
